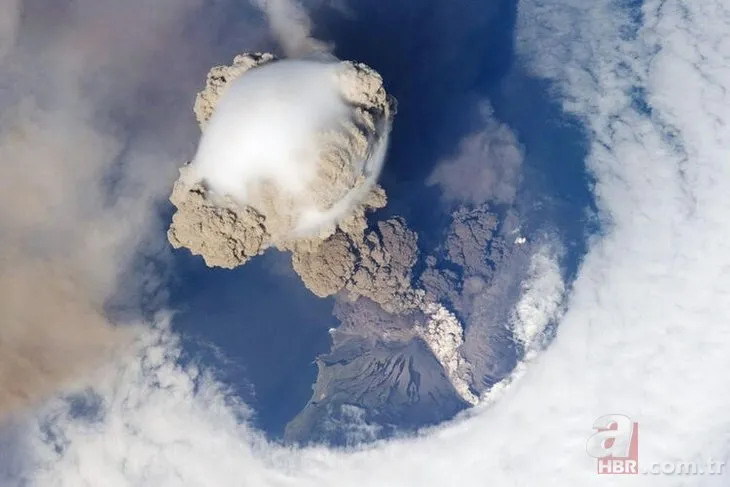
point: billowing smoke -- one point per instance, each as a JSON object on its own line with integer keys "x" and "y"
{"x": 289, "y": 158}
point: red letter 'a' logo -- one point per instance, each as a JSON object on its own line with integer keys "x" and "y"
{"x": 615, "y": 444}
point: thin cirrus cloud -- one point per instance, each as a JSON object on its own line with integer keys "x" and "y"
{"x": 644, "y": 334}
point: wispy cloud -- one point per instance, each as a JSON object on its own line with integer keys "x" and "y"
{"x": 292, "y": 27}
{"x": 486, "y": 169}
{"x": 9, "y": 26}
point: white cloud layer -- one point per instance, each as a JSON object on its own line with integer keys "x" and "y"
{"x": 645, "y": 332}
{"x": 539, "y": 304}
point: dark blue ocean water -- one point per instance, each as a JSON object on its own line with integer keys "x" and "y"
{"x": 440, "y": 59}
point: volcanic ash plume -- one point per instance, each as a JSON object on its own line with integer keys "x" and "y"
{"x": 377, "y": 265}
{"x": 290, "y": 153}
{"x": 289, "y": 156}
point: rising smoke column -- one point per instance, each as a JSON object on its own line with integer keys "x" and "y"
{"x": 292, "y": 27}
{"x": 289, "y": 156}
